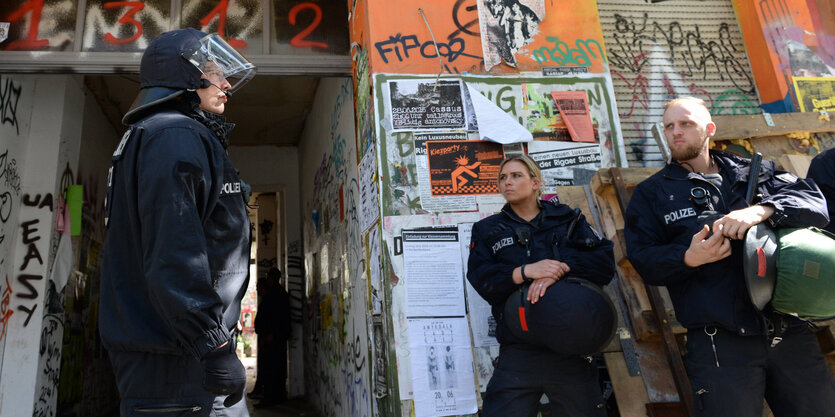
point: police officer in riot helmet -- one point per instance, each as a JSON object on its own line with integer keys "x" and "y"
{"x": 176, "y": 259}
{"x": 684, "y": 229}
{"x": 526, "y": 254}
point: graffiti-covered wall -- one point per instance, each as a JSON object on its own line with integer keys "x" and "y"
{"x": 16, "y": 99}
{"x": 336, "y": 314}
{"x": 37, "y": 261}
{"x": 661, "y": 50}
{"x": 454, "y": 88}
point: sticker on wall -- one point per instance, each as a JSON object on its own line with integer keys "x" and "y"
{"x": 369, "y": 206}
{"x": 463, "y": 167}
{"x": 562, "y": 163}
{"x": 815, "y": 93}
{"x": 506, "y": 26}
{"x": 424, "y": 104}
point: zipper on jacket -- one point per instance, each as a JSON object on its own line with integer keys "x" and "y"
{"x": 192, "y": 409}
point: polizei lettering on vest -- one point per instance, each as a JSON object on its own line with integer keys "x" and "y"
{"x": 502, "y": 243}
{"x": 679, "y": 214}
{"x": 231, "y": 188}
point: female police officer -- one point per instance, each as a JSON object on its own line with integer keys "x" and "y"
{"x": 517, "y": 246}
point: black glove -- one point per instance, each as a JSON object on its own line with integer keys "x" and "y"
{"x": 223, "y": 374}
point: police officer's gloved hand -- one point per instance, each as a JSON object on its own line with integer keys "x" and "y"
{"x": 224, "y": 374}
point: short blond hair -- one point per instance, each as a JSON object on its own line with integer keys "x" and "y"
{"x": 691, "y": 100}
{"x": 533, "y": 170}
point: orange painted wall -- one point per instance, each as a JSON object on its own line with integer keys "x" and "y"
{"x": 402, "y": 43}
{"x": 785, "y": 39}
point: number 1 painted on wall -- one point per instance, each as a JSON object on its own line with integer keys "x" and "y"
{"x": 31, "y": 41}
{"x": 220, "y": 12}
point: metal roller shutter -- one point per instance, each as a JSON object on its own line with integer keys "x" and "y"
{"x": 662, "y": 49}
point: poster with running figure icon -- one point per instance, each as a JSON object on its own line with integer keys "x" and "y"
{"x": 463, "y": 167}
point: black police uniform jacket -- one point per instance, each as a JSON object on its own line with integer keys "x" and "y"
{"x": 176, "y": 259}
{"x": 822, "y": 171}
{"x": 496, "y": 250}
{"x": 662, "y": 218}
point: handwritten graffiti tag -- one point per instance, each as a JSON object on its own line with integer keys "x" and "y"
{"x": 563, "y": 54}
{"x": 5, "y": 311}
{"x": 9, "y": 97}
{"x": 635, "y": 39}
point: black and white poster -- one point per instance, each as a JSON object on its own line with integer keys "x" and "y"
{"x": 421, "y": 104}
{"x": 506, "y": 26}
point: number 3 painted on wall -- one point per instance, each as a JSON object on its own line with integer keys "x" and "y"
{"x": 299, "y": 40}
{"x": 135, "y": 7}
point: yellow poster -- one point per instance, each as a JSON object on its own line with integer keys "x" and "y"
{"x": 815, "y": 93}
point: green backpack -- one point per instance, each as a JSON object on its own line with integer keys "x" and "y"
{"x": 805, "y": 284}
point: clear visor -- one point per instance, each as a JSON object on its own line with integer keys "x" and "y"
{"x": 221, "y": 63}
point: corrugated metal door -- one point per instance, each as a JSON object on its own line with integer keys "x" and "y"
{"x": 660, "y": 49}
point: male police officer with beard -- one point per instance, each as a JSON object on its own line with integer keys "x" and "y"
{"x": 176, "y": 259}
{"x": 733, "y": 357}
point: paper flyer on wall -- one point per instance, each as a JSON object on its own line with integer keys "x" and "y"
{"x": 558, "y": 161}
{"x": 463, "y": 167}
{"x": 482, "y": 322}
{"x": 495, "y": 124}
{"x": 427, "y": 201}
{"x": 433, "y": 272}
{"x": 506, "y": 27}
{"x": 574, "y": 108}
{"x": 369, "y": 207}
{"x": 442, "y": 367}
{"x": 815, "y": 93}
{"x": 426, "y": 104}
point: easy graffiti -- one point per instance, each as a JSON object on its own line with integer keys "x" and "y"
{"x": 30, "y": 233}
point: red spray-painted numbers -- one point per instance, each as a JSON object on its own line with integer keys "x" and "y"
{"x": 220, "y": 12}
{"x": 35, "y": 7}
{"x": 134, "y": 8}
{"x": 299, "y": 40}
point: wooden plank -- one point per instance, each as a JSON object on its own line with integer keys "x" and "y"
{"x": 796, "y": 164}
{"x": 658, "y": 308}
{"x": 630, "y": 392}
{"x": 675, "y": 409}
{"x": 752, "y": 126}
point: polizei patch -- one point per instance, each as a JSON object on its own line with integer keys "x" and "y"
{"x": 231, "y": 188}
{"x": 502, "y": 243}
{"x": 679, "y": 214}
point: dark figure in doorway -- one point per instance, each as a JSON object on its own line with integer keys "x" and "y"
{"x": 272, "y": 324}
{"x": 176, "y": 260}
{"x": 258, "y": 389}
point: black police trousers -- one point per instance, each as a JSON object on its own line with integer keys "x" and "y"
{"x": 526, "y": 372}
{"x": 792, "y": 376}
{"x": 166, "y": 386}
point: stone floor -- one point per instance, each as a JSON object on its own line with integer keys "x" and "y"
{"x": 294, "y": 407}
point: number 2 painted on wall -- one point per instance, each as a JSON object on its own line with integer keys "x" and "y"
{"x": 299, "y": 40}
{"x": 135, "y": 7}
